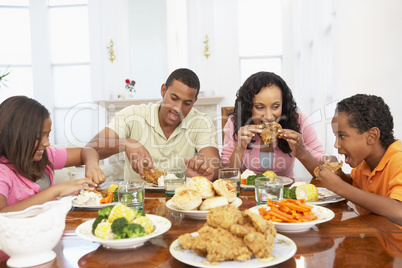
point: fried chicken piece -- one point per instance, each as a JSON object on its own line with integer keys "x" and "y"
{"x": 333, "y": 166}
{"x": 270, "y": 132}
{"x": 224, "y": 216}
{"x": 230, "y": 234}
{"x": 242, "y": 230}
{"x": 152, "y": 177}
{"x": 257, "y": 221}
{"x": 220, "y": 245}
{"x": 261, "y": 245}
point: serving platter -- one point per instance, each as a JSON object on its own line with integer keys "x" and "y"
{"x": 162, "y": 225}
{"x": 323, "y": 214}
{"x": 284, "y": 249}
{"x": 198, "y": 214}
{"x": 286, "y": 181}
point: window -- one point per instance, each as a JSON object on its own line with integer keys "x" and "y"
{"x": 15, "y": 49}
{"x": 260, "y": 37}
{"x": 52, "y": 67}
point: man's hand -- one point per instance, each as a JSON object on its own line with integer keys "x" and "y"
{"x": 199, "y": 165}
{"x": 138, "y": 156}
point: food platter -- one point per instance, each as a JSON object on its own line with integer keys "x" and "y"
{"x": 286, "y": 181}
{"x": 326, "y": 196}
{"x": 324, "y": 215}
{"x": 71, "y": 198}
{"x": 162, "y": 225}
{"x": 284, "y": 249}
{"x": 198, "y": 214}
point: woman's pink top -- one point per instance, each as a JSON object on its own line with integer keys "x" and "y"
{"x": 17, "y": 188}
{"x": 283, "y": 163}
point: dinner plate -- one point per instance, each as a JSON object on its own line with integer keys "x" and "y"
{"x": 72, "y": 197}
{"x": 284, "y": 249}
{"x": 323, "y": 214}
{"x": 326, "y": 196}
{"x": 286, "y": 181}
{"x": 162, "y": 225}
{"x": 198, "y": 214}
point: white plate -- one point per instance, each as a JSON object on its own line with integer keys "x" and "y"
{"x": 198, "y": 214}
{"x": 324, "y": 192}
{"x": 284, "y": 249}
{"x": 324, "y": 215}
{"x": 162, "y": 225}
{"x": 72, "y": 197}
{"x": 286, "y": 181}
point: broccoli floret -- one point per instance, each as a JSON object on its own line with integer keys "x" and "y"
{"x": 118, "y": 226}
{"x": 289, "y": 192}
{"x": 134, "y": 230}
{"x": 105, "y": 211}
{"x": 116, "y": 195}
{"x": 251, "y": 179}
{"x": 96, "y": 222}
{"x": 292, "y": 194}
{"x": 138, "y": 213}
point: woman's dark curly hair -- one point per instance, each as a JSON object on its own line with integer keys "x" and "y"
{"x": 368, "y": 111}
{"x": 242, "y": 114}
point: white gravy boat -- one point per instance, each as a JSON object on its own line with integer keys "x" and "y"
{"x": 28, "y": 236}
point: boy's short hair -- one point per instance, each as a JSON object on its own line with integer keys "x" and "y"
{"x": 368, "y": 111}
{"x": 186, "y": 76}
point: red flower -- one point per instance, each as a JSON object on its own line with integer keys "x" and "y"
{"x": 127, "y": 81}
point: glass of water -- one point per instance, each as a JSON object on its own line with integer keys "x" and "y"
{"x": 233, "y": 175}
{"x": 132, "y": 194}
{"x": 173, "y": 178}
{"x": 268, "y": 187}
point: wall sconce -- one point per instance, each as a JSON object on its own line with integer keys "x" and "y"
{"x": 112, "y": 57}
{"x": 207, "y": 53}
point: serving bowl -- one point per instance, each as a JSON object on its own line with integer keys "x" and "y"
{"x": 198, "y": 214}
{"x": 28, "y": 236}
{"x": 162, "y": 225}
{"x": 323, "y": 214}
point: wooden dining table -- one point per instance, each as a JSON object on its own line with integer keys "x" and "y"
{"x": 350, "y": 239}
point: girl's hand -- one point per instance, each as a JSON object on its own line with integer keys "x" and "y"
{"x": 246, "y": 134}
{"x": 74, "y": 187}
{"x": 95, "y": 173}
{"x": 294, "y": 139}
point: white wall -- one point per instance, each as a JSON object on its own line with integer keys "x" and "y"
{"x": 368, "y": 52}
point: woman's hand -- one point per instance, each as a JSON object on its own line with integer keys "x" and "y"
{"x": 294, "y": 139}
{"x": 246, "y": 134}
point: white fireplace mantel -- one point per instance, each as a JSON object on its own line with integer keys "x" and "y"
{"x": 208, "y": 105}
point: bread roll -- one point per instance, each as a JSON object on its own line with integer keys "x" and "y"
{"x": 213, "y": 202}
{"x": 186, "y": 200}
{"x": 181, "y": 188}
{"x": 203, "y": 186}
{"x": 226, "y": 189}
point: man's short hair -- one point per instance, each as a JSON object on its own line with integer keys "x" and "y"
{"x": 186, "y": 76}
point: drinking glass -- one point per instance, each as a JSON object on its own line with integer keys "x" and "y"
{"x": 268, "y": 187}
{"x": 173, "y": 178}
{"x": 132, "y": 193}
{"x": 233, "y": 175}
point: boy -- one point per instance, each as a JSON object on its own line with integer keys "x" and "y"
{"x": 363, "y": 126}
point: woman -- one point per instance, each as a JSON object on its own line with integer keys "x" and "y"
{"x": 27, "y": 162}
{"x": 263, "y": 98}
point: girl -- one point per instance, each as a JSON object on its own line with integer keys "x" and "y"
{"x": 27, "y": 162}
{"x": 263, "y": 98}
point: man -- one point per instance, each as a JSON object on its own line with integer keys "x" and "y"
{"x": 165, "y": 134}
